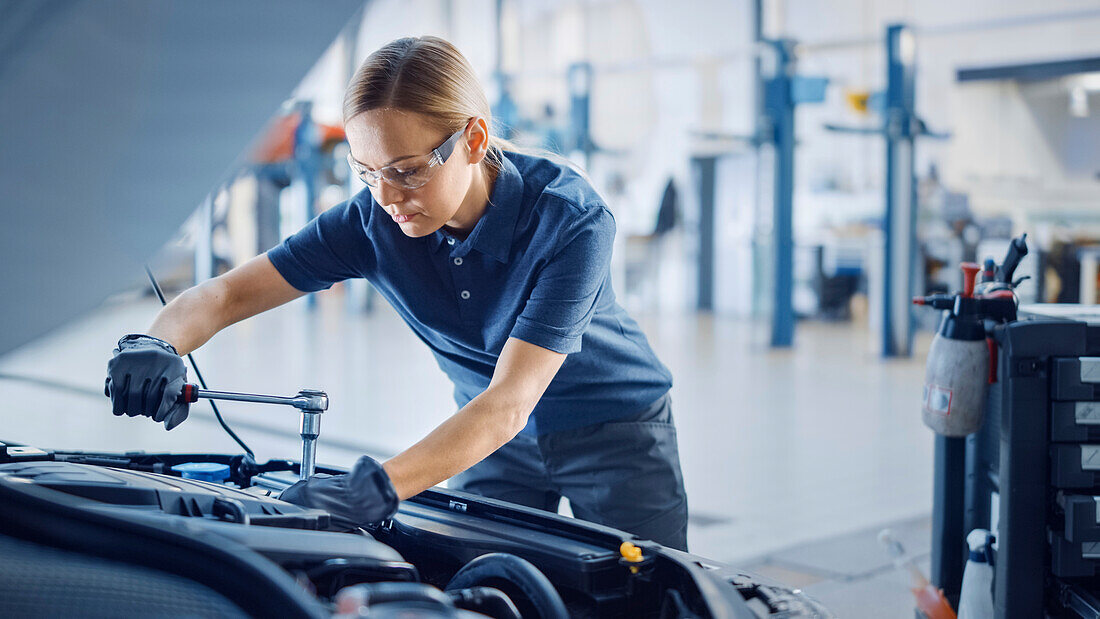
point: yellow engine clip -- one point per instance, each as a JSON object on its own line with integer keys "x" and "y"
{"x": 631, "y": 554}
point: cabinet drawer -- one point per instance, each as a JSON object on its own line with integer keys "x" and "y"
{"x": 1075, "y": 466}
{"x": 1075, "y": 421}
{"x": 1073, "y": 559}
{"x": 1076, "y": 378}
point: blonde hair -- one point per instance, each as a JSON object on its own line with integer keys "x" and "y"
{"x": 428, "y": 76}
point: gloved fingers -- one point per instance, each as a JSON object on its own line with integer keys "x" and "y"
{"x": 361, "y": 497}
{"x": 326, "y": 492}
{"x": 145, "y": 380}
{"x": 107, "y": 392}
{"x": 133, "y": 396}
{"x": 370, "y": 490}
{"x": 290, "y": 494}
{"x": 147, "y": 403}
{"x": 160, "y": 408}
{"x": 118, "y": 397}
{"x": 172, "y": 410}
{"x": 156, "y": 397}
{"x": 176, "y": 416}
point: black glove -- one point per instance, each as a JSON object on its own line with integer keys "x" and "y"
{"x": 146, "y": 377}
{"x": 361, "y": 497}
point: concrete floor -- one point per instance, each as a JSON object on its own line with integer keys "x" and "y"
{"x": 793, "y": 459}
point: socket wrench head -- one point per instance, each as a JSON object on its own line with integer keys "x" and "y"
{"x": 310, "y": 426}
{"x": 311, "y": 400}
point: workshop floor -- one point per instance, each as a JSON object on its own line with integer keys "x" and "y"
{"x": 793, "y": 460}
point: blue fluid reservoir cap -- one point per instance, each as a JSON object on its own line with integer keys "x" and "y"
{"x": 203, "y": 471}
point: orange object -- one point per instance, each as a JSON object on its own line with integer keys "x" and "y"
{"x": 930, "y": 600}
{"x": 630, "y": 552}
{"x": 932, "y": 603}
{"x": 858, "y": 100}
{"x": 277, "y": 143}
{"x": 970, "y": 275}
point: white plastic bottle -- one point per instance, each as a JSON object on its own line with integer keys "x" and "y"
{"x": 976, "y": 598}
{"x": 957, "y": 371}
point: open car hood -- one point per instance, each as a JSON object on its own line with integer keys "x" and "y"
{"x": 118, "y": 119}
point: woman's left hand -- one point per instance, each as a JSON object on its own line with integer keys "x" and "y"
{"x": 356, "y": 499}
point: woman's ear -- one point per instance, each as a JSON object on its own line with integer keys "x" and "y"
{"x": 477, "y": 139}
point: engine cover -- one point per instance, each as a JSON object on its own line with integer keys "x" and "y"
{"x": 288, "y": 535}
{"x": 169, "y": 495}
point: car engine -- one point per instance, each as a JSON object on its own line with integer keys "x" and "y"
{"x": 445, "y": 553}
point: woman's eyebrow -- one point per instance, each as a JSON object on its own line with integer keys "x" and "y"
{"x": 401, "y": 158}
{"x": 389, "y": 163}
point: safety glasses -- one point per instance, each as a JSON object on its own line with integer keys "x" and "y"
{"x": 411, "y": 173}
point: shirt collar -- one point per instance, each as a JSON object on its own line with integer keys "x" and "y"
{"x": 492, "y": 235}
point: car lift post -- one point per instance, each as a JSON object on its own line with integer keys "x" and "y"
{"x": 783, "y": 90}
{"x": 900, "y": 127}
{"x": 780, "y": 90}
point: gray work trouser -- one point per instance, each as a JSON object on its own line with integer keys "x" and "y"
{"x": 624, "y": 473}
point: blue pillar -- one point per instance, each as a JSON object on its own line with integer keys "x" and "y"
{"x": 901, "y": 126}
{"x": 899, "y": 227}
{"x": 705, "y": 170}
{"x": 307, "y": 163}
{"x": 779, "y": 106}
{"x": 580, "y": 99}
{"x": 307, "y": 154}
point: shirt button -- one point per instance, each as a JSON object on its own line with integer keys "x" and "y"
{"x": 458, "y": 262}
{"x": 450, "y": 241}
{"x": 465, "y": 294}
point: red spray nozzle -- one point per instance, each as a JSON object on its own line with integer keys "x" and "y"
{"x": 970, "y": 273}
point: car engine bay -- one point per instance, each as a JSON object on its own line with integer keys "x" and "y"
{"x": 445, "y": 553}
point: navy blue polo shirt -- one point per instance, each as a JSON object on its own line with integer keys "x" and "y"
{"x": 535, "y": 267}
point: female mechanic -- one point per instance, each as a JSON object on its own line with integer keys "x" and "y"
{"x": 499, "y": 262}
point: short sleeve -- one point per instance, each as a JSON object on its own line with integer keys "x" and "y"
{"x": 331, "y": 248}
{"x": 566, "y": 292}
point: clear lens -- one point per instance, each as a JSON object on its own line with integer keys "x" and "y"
{"x": 364, "y": 174}
{"x": 408, "y": 177}
{"x": 411, "y": 174}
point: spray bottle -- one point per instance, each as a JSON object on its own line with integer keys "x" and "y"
{"x": 976, "y": 599}
{"x": 962, "y": 361}
{"x": 930, "y": 600}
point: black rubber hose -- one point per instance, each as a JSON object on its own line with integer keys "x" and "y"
{"x": 405, "y": 596}
{"x": 198, "y": 374}
{"x": 532, "y": 583}
{"x": 487, "y": 601}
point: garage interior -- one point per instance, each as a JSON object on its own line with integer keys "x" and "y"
{"x": 785, "y": 175}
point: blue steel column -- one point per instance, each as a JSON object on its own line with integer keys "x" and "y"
{"x": 705, "y": 168}
{"x": 506, "y": 117}
{"x": 779, "y": 107}
{"x": 307, "y": 156}
{"x": 580, "y": 101}
{"x": 901, "y": 213}
{"x": 307, "y": 163}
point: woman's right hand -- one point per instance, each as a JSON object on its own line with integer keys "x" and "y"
{"x": 146, "y": 377}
